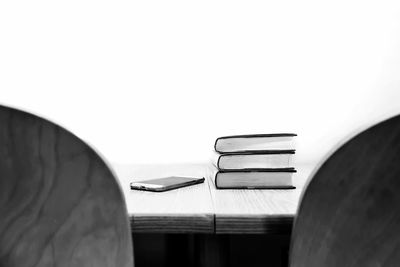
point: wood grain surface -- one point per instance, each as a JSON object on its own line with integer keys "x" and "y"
{"x": 204, "y": 209}
{"x": 183, "y": 210}
{"x": 244, "y": 211}
{"x": 59, "y": 203}
{"x": 350, "y": 212}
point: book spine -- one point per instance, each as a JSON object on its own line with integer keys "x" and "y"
{"x": 252, "y": 152}
{"x": 291, "y": 169}
{"x": 259, "y": 152}
{"x": 257, "y": 187}
{"x": 258, "y": 135}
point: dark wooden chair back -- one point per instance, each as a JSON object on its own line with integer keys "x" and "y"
{"x": 349, "y": 214}
{"x": 60, "y": 205}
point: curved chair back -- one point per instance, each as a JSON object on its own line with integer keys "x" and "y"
{"x": 349, "y": 214}
{"x": 60, "y": 205}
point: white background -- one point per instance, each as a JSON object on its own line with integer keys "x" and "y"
{"x": 158, "y": 81}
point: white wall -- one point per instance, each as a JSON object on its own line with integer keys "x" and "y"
{"x": 158, "y": 81}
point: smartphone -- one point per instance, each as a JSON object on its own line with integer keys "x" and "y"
{"x": 166, "y": 183}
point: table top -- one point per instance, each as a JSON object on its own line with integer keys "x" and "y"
{"x": 204, "y": 209}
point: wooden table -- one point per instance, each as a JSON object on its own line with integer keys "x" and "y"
{"x": 204, "y": 209}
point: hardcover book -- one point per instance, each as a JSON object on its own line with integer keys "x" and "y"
{"x": 255, "y": 142}
{"x": 255, "y": 179}
{"x": 253, "y": 160}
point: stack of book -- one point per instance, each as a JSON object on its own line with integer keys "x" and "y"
{"x": 254, "y": 161}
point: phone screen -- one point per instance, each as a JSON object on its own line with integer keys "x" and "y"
{"x": 166, "y": 183}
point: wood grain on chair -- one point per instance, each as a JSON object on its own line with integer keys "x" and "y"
{"x": 350, "y": 212}
{"x": 60, "y": 205}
